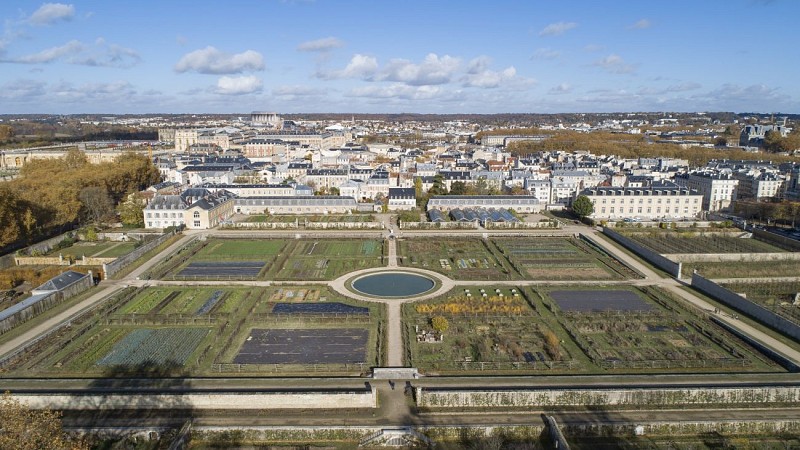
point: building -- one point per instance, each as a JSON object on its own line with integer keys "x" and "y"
{"x": 402, "y": 199}
{"x": 664, "y": 201}
{"x": 268, "y": 119}
{"x": 195, "y": 208}
{"x": 759, "y": 186}
{"x": 753, "y": 135}
{"x": 185, "y": 138}
{"x": 519, "y": 203}
{"x": 209, "y": 211}
{"x": 318, "y": 204}
{"x": 718, "y": 188}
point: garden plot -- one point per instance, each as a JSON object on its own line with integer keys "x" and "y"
{"x": 334, "y": 308}
{"x": 222, "y": 269}
{"x": 485, "y": 329}
{"x": 668, "y": 242}
{"x": 560, "y": 259}
{"x": 239, "y": 249}
{"x": 645, "y": 330}
{"x": 460, "y": 259}
{"x": 325, "y": 259}
{"x": 782, "y": 298}
{"x": 310, "y": 346}
{"x": 162, "y": 347}
{"x": 595, "y": 301}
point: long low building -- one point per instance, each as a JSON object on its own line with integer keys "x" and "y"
{"x": 317, "y": 204}
{"x": 644, "y": 203}
{"x": 519, "y": 203}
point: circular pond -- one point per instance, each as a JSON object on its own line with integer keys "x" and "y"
{"x": 393, "y": 284}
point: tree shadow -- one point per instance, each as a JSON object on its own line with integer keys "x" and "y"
{"x": 149, "y": 394}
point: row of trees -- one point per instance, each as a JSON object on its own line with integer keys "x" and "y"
{"x": 629, "y": 146}
{"x": 785, "y": 211}
{"x": 51, "y": 194}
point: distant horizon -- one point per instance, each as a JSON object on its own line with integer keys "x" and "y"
{"x": 297, "y": 56}
{"x": 282, "y": 113}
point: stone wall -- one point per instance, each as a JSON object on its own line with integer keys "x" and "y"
{"x": 724, "y": 257}
{"x": 776, "y": 239}
{"x": 344, "y": 225}
{"x": 41, "y": 260}
{"x": 740, "y": 303}
{"x": 120, "y": 263}
{"x": 521, "y": 225}
{"x": 217, "y": 401}
{"x": 260, "y": 225}
{"x": 671, "y": 267}
{"x": 439, "y": 225}
{"x": 432, "y": 398}
{"x": 684, "y": 428}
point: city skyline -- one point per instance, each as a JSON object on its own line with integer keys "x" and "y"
{"x": 425, "y": 57}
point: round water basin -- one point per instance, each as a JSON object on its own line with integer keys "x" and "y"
{"x": 393, "y": 284}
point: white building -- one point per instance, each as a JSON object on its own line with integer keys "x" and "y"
{"x": 718, "y": 188}
{"x": 646, "y": 203}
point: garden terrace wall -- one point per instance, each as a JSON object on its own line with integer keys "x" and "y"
{"x": 214, "y": 401}
{"x": 776, "y": 239}
{"x": 740, "y": 303}
{"x": 521, "y": 225}
{"x": 41, "y": 261}
{"x": 732, "y": 257}
{"x": 692, "y": 428}
{"x": 439, "y": 225}
{"x": 261, "y": 225}
{"x": 671, "y": 267}
{"x": 447, "y": 398}
{"x": 344, "y": 225}
{"x": 120, "y": 263}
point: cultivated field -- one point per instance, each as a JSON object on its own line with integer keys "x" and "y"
{"x": 744, "y": 269}
{"x": 671, "y": 242}
{"x": 105, "y": 249}
{"x": 458, "y": 258}
{"x": 560, "y": 259}
{"x": 278, "y": 259}
{"x": 570, "y": 330}
{"x": 207, "y": 331}
{"x": 783, "y": 298}
{"x": 291, "y": 218}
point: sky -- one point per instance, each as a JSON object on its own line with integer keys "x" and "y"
{"x": 412, "y": 56}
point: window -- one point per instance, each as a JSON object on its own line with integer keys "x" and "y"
{"x": 197, "y": 224}
{"x": 197, "y": 214}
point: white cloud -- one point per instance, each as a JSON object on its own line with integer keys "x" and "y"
{"x": 212, "y": 61}
{"x": 396, "y": 90}
{"x": 51, "y": 54}
{"x": 22, "y": 89}
{"x": 489, "y": 78}
{"x": 320, "y": 45}
{"x": 360, "y": 66}
{"x": 683, "y": 87}
{"x": 641, "y": 24}
{"x": 432, "y": 70}
{"x": 108, "y": 55}
{"x": 614, "y": 64}
{"x": 50, "y": 13}
{"x": 557, "y": 29}
{"x": 297, "y": 91}
{"x": 546, "y": 53}
{"x": 591, "y": 48}
{"x": 238, "y": 85}
{"x": 562, "y": 88}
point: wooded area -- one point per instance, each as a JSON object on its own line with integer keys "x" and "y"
{"x": 53, "y": 193}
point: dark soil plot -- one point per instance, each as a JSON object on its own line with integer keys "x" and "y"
{"x": 318, "y": 346}
{"x": 588, "y": 301}
{"x": 318, "y": 308}
{"x": 248, "y": 269}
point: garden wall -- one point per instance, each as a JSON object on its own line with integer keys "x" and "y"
{"x": 691, "y": 428}
{"x": 521, "y": 225}
{"x": 439, "y": 225}
{"x": 776, "y": 239}
{"x": 433, "y": 398}
{"x": 261, "y": 225}
{"x": 723, "y": 257}
{"x": 219, "y": 401}
{"x": 43, "y": 304}
{"x": 671, "y": 267}
{"x": 120, "y": 263}
{"x": 344, "y": 225}
{"x": 41, "y": 260}
{"x": 740, "y": 303}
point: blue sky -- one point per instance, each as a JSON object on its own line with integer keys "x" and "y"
{"x": 429, "y": 56}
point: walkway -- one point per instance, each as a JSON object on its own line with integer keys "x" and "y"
{"x": 107, "y": 288}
